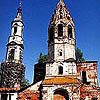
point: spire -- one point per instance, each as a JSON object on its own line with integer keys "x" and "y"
{"x": 61, "y": 1}
{"x": 61, "y": 12}
{"x": 19, "y": 11}
{"x": 20, "y": 3}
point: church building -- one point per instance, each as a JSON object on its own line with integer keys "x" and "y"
{"x": 62, "y": 77}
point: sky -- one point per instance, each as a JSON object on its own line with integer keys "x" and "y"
{"x": 36, "y": 17}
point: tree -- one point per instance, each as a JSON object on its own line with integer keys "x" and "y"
{"x": 79, "y": 55}
{"x": 42, "y": 58}
{"x": 25, "y": 83}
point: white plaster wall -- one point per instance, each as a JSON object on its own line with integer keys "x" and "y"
{"x": 68, "y": 69}
{"x": 14, "y": 96}
{"x": 19, "y": 29}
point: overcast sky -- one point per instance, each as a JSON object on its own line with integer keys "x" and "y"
{"x": 36, "y": 17}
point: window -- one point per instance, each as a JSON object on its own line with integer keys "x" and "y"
{"x": 11, "y": 54}
{"x": 70, "y": 34}
{"x": 4, "y": 96}
{"x": 20, "y": 55}
{"x": 60, "y": 52}
{"x": 84, "y": 79}
{"x": 15, "y": 29}
{"x": 60, "y": 70}
{"x": 60, "y": 30}
{"x": 51, "y": 34}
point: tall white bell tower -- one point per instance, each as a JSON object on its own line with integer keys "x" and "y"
{"x": 13, "y": 69}
{"x": 15, "y": 43}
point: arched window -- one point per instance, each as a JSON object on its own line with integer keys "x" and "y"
{"x": 15, "y": 29}
{"x": 60, "y": 30}
{"x": 70, "y": 34}
{"x": 11, "y": 54}
{"x": 51, "y": 34}
{"x": 60, "y": 70}
{"x": 84, "y": 78}
{"x": 60, "y": 52}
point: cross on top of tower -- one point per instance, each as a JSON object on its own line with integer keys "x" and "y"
{"x": 20, "y": 6}
{"x": 20, "y": 3}
{"x": 19, "y": 11}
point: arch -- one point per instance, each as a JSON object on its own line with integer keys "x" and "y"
{"x": 51, "y": 34}
{"x": 11, "y": 54}
{"x": 84, "y": 78}
{"x": 70, "y": 34}
{"x": 60, "y": 52}
{"x": 15, "y": 24}
{"x": 60, "y": 30}
{"x": 61, "y": 94}
{"x": 60, "y": 70}
{"x": 15, "y": 29}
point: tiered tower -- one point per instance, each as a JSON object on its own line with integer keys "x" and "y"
{"x": 15, "y": 43}
{"x": 61, "y": 35}
{"x": 61, "y": 69}
{"x": 13, "y": 71}
{"x": 61, "y": 42}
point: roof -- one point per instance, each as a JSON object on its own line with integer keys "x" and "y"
{"x": 61, "y": 80}
{"x": 28, "y": 94}
{"x": 9, "y": 89}
{"x": 33, "y": 87}
{"x": 61, "y": 12}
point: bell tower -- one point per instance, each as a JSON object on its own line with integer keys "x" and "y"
{"x": 61, "y": 68}
{"x": 61, "y": 32}
{"x": 61, "y": 43}
{"x": 15, "y": 42}
{"x": 13, "y": 70}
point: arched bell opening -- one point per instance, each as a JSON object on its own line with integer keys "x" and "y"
{"x": 70, "y": 33}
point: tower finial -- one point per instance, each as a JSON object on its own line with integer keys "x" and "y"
{"x": 19, "y": 11}
{"x": 20, "y": 3}
{"x": 61, "y": 0}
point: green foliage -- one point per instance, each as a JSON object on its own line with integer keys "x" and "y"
{"x": 42, "y": 58}
{"x": 79, "y": 55}
{"x": 25, "y": 83}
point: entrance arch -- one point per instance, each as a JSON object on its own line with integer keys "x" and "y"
{"x": 61, "y": 94}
